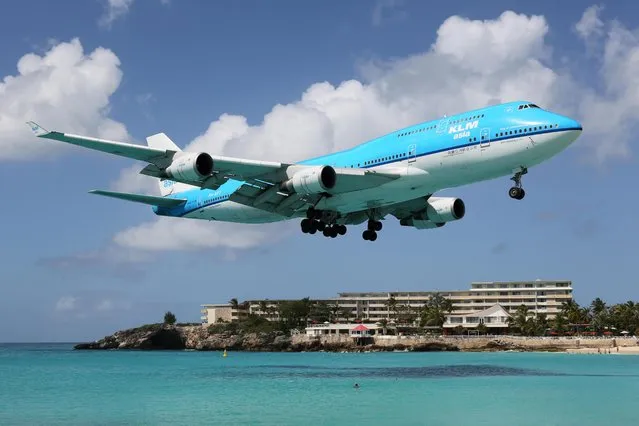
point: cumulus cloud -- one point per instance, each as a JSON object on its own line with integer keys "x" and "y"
{"x": 392, "y": 94}
{"x": 189, "y": 234}
{"x": 590, "y": 23}
{"x": 113, "y": 10}
{"x": 472, "y": 63}
{"x": 64, "y": 87}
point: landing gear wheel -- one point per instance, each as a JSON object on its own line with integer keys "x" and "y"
{"x": 341, "y": 229}
{"x": 369, "y": 235}
{"x": 306, "y": 225}
{"x": 320, "y": 225}
{"x": 516, "y": 193}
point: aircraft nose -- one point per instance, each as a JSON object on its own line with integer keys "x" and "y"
{"x": 567, "y": 123}
{"x": 574, "y": 124}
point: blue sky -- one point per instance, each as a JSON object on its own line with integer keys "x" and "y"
{"x": 77, "y": 267}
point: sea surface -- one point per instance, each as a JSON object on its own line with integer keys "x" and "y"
{"x": 49, "y": 384}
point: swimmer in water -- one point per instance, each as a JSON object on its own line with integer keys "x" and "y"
{"x": 356, "y": 386}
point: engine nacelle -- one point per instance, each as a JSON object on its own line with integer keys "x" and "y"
{"x": 190, "y": 166}
{"x": 421, "y": 224}
{"x": 311, "y": 180}
{"x": 444, "y": 209}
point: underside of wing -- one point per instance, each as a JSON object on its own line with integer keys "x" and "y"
{"x": 140, "y": 198}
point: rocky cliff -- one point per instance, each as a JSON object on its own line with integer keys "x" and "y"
{"x": 169, "y": 337}
{"x": 196, "y": 337}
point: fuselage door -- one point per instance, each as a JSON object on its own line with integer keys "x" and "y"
{"x": 484, "y": 137}
{"x": 442, "y": 126}
{"x": 412, "y": 153}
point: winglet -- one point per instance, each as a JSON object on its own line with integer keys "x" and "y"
{"x": 37, "y": 129}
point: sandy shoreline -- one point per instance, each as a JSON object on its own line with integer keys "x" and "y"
{"x": 623, "y": 350}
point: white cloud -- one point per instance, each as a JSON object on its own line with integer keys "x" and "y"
{"x": 472, "y": 63}
{"x": 190, "y": 234}
{"x": 590, "y": 23}
{"x": 65, "y": 88}
{"x": 66, "y": 303}
{"x": 113, "y": 10}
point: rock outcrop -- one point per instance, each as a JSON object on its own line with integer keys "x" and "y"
{"x": 196, "y": 337}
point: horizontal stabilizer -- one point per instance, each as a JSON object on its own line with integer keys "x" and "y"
{"x": 144, "y": 199}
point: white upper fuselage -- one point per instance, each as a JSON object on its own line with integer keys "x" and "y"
{"x": 453, "y": 151}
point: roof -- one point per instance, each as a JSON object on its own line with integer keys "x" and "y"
{"x": 496, "y": 308}
{"x": 361, "y": 327}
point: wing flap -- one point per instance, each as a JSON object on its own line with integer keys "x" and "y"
{"x": 144, "y": 199}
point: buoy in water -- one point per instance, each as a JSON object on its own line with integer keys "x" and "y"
{"x": 224, "y": 354}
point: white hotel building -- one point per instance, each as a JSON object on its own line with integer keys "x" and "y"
{"x": 539, "y": 296}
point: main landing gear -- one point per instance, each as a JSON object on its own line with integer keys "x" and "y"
{"x": 315, "y": 222}
{"x": 374, "y": 226}
{"x": 517, "y": 192}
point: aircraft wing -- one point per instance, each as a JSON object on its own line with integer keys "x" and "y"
{"x": 262, "y": 180}
{"x": 159, "y": 157}
{"x": 151, "y": 200}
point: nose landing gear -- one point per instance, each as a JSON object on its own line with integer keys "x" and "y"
{"x": 517, "y": 192}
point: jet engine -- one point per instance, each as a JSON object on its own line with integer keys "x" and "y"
{"x": 444, "y": 209}
{"x": 311, "y": 180}
{"x": 438, "y": 211}
{"x": 190, "y": 166}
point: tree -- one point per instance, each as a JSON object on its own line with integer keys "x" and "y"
{"x": 169, "y": 318}
{"x": 234, "y": 303}
{"x": 519, "y": 321}
{"x": 391, "y": 305}
{"x": 482, "y": 329}
{"x": 559, "y": 323}
{"x": 435, "y": 310}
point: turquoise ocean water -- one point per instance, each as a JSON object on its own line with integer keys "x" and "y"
{"x": 52, "y": 384}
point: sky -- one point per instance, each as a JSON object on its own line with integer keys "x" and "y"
{"x": 285, "y": 81}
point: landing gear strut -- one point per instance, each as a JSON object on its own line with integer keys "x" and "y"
{"x": 374, "y": 226}
{"x": 517, "y": 192}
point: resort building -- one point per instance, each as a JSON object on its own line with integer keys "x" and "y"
{"x": 354, "y": 330}
{"x": 222, "y": 312}
{"x": 539, "y": 296}
{"x": 494, "y": 318}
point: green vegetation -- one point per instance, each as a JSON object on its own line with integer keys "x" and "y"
{"x": 596, "y": 319}
{"x": 251, "y": 324}
{"x": 169, "y": 318}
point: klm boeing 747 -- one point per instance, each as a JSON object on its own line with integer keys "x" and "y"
{"x": 394, "y": 175}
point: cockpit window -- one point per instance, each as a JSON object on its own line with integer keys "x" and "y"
{"x": 527, "y": 106}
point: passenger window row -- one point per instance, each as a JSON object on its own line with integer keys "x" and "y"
{"x": 525, "y": 130}
{"x": 433, "y": 127}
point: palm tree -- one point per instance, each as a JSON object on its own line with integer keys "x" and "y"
{"x": 435, "y": 310}
{"x": 391, "y": 305}
{"x": 234, "y": 303}
{"x": 520, "y": 319}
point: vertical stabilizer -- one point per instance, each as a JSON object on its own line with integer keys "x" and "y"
{"x": 162, "y": 141}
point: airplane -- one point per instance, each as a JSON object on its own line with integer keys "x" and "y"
{"x": 397, "y": 174}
